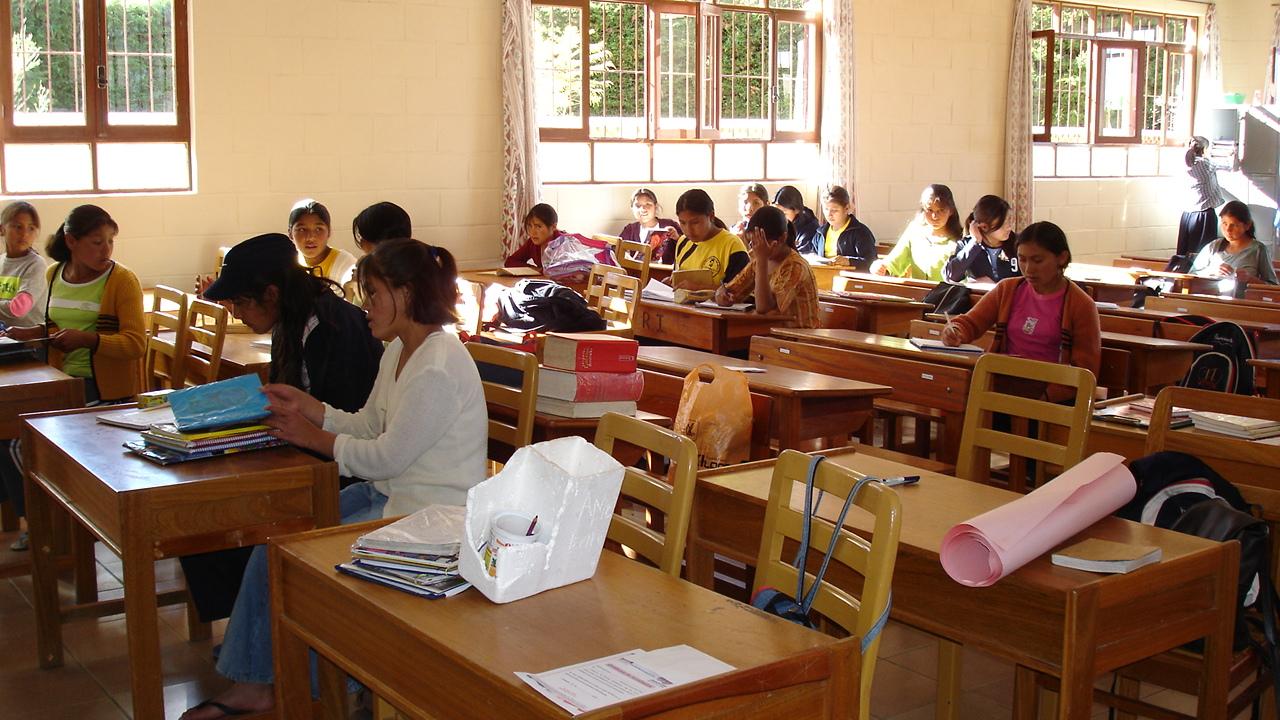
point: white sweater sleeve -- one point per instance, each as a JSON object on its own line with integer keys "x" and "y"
{"x": 426, "y": 406}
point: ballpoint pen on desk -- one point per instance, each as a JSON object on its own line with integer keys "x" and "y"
{"x": 901, "y": 480}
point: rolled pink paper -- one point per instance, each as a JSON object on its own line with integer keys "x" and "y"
{"x": 21, "y": 304}
{"x": 988, "y": 547}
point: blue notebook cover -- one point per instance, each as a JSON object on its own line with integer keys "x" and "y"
{"x": 226, "y": 402}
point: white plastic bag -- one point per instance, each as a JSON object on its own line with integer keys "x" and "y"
{"x": 571, "y": 486}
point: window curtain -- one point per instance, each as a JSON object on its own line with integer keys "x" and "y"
{"x": 1211, "y": 58}
{"x": 1018, "y": 184}
{"x": 1270, "y": 94}
{"x": 836, "y": 134}
{"x": 520, "y": 185}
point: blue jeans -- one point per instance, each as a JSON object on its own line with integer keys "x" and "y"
{"x": 246, "y": 647}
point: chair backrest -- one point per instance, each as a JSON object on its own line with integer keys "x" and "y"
{"x": 207, "y": 326}
{"x": 511, "y": 407}
{"x": 838, "y": 315}
{"x": 634, "y": 257}
{"x": 614, "y": 295}
{"x": 1113, "y": 371}
{"x": 660, "y": 541}
{"x": 1001, "y": 384}
{"x": 872, "y": 559}
{"x": 163, "y": 367}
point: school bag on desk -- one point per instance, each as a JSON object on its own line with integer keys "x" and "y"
{"x": 1226, "y": 367}
{"x": 949, "y": 298}
{"x": 537, "y": 304}
{"x": 717, "y": 415}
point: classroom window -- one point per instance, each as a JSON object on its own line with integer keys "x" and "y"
{"x": 1109, "y": 76}
{"x": 98, "y": 97}
{"x": 668, "y": 75}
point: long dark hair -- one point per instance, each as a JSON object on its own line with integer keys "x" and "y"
{"x": 1048, "y": 236}
{"x": 775, "y": 225}
{"x": 429, "y": 273}
{"x": 80, "y": 222}
{"x": 943, "y": 194}
{"x": 299, "y": 296}
{"x": 381, "y": 221}
{"x": 697, "y": 201}
{"x": 990, "y": 210}
{"x": 1240, "y": 211}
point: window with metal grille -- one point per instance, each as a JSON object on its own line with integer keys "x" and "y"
{"x": 1107, "y": 75}
{"x": 652, "y": 72}
{"x": 98, "y": 97}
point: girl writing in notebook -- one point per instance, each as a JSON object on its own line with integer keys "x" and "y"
{"x": 420, "y": 439}
{"x": 1041, "y": 315}
{"x": 706, "y": 244}
{"x": 777, "y": 276}
{"x": 309, "y": 226}
{"x": 929, "y": 240}
{"x": 93, "y": 315}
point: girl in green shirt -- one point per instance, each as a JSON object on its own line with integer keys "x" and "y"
{"x": 929, "y": 240}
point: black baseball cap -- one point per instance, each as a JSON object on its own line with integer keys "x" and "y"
{"x": 264, "y": 255}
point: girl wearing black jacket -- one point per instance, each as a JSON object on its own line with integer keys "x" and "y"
{"x": 843, "y": 238}
{"x": 791, "y": 203}
{"x": 986, "y": 254}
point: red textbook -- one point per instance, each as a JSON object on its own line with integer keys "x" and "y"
{"x": 589, "y": 386}
{"x": 590, "y": 352}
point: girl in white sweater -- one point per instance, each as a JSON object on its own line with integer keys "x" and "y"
{"x": 420, "y": 439}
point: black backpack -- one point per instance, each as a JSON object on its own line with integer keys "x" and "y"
{"x": 1225, "y": 368}
{"x": 949, "y": 298}
{"x": 537, "y": 304}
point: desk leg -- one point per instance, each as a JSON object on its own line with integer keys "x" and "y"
{"x": 86, "y": 565}
{"x": 142, "y": 621}
{"x": 699, "y": 562}
{"x": 44, "y": 574}
{"x": 1079, "y": 640}
{"x": 952, "y": 427}
{"x": 788, "y": 413}
{"x": 1215, "y": 683}
{"x": 1026, "y": 694}
{"x": 948, "y": 705}
{"x": 8, "y": 518}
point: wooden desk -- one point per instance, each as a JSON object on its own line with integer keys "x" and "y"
{"x": 1268, "y": 373}
{"x": 879, "y": 313}
{"x": 144, "y": 512}
{"x": 491, "y": 277}
{"x": 806, "y": 405}
{"x": 1154, "y": 362}
{"x": 25, "y": 387}
{"x": 1070, "y": 624}
{"x": 456, "y": 658}
{"x": 920, "y": 378}
{"x": 850, "y": 281}
{"x": 703, "y": 328}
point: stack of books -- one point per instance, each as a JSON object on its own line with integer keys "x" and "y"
{"x": 1236, "y": 426}
{"x": 417, "y": 554}
{"x": 585, "y": 375}
{"x": 163, "y": 443}
{"x": 1138, "y": 413}
{"x": 204, "y": 421}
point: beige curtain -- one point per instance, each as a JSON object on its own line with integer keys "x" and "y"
{"x": 1211, "y": 58}
{"x": 1271, "y": 94}
{"x": 836, "y": 133}
{"x": 1018, "y": 184}
{"x": 520, "y": 185}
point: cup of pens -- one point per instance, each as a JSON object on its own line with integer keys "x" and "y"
{"x": 507, "y": 529}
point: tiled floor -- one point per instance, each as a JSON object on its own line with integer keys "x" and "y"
{"x": 93, "y": 683}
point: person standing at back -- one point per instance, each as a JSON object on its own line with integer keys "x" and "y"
{"x": 1199, "y": 223}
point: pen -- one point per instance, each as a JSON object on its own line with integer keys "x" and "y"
{"x": 901, "y": 480}
{"x": 532, "y": 525}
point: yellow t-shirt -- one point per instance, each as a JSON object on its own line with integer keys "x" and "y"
{"x": 833, "y": 238}
{"x": 338, "y": 265}
{"x": 711, "y": 254}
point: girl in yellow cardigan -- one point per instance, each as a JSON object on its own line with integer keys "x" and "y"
{"x": 94, "y": 309}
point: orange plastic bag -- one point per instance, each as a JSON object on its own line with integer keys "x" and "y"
{"x": 717, "y": 415}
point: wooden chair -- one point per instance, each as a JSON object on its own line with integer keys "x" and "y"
{"x": 164, "y": 365}
{"x": 207, "y": 326}
{"x": 872, "y": 559}
{"x": 511, "y": 408}
{"x": 616, "y": 296}
{"x": 671, "y": 495}
{"x": 1251, "y": 467}
{"x": 634, "y": 257}
{"x": 996, "y": 379}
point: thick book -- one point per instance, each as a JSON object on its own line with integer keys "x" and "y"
{"x": 433, "y": 530}
{"x": 1105, "y": 556}
{"x": 570, "y": 409}
{"x": 168, "y": 456}
{"x": 938, "y": 345}
{"x": 1235, "y": 425}
{"x": 227, "y": 402}
{"x": 589, "y": 352}
{"x": 589, "y": 386}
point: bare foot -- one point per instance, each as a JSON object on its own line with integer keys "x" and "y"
{"x": 239, "y": 699}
